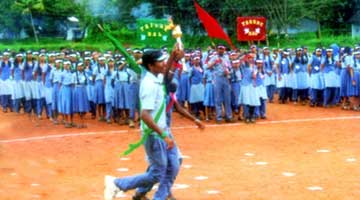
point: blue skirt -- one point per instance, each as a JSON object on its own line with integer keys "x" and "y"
{"x": 109, "y": 94}
{"x": 209, "y": 95}
{"x": 249, "y": 96}
{"x": 36, "y": 90}
{"x": 90, "y": 90}
{"x": 346, "y": 88}
{"x": 283, "y": 82}
{"x": 302, "y": 80}
{"x": 55, "y": 97}
{"x": 196, "y": 93}
{"x": 133, "y": 95}
{"x": 331, "y": 79}
{"x": 121, "y": 95}
{"x": 80, "y": 99}
{"x": 66, "y": 100}
{"x": 261, "y": 90}
{"x": 48, "y": 95}
{"x": 270, "y": 80}
{"x": 27, "y": 85}
{"x": 291, "y": 81}
{"x": 17, "y": 90}
{"x": 5, "y": 87}
{"x": 317, "y": 81}
{"x": 184, "y": 89}
{"x": 99, "y": 96}
{"x": 354, "y": 90}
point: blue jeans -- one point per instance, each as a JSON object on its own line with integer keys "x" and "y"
{"x": 172, "y": 171}
{"x": 222, "y": 96}
{"x": 156, "y": 153}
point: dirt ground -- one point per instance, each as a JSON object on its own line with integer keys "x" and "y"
{"x": 298, "y": 153}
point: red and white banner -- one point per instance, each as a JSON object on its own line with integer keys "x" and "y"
{"x": 251, "y": 28}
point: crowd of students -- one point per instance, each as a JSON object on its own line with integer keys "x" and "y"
{"x": 217, "y": 83}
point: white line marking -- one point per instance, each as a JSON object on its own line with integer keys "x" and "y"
{"x": 45, "y": 137}
{"x": 288, "y": 174}
{"x": 261, "y": 163}
{"x": 249, "y": 154}
{"x": 213, "y": 192}
{"x": 187, "y": 166}
{"x": 323, "y": 151}
{"x": 315, "y": 188}
{"x": 201, "y": 178}
{"x": 121, "y": 195}
{"x": 351, "y": 160}
{"x": 180, "y": 186}
{"x": 125, "y": 159}
{"x": 122, "y": 169}
{"x": 35, "y": 184}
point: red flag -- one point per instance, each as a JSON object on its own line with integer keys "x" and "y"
{"x": 211, "y": 26}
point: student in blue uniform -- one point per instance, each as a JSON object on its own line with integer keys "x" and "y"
{"x": 55, "y": 77}
{"x": 80, "y": 97}
{"x": 336, "y": 54}
{"x": 196, "y": 87}
{"x": 235, "y": 79}
{"x": 66, "y": 95}
{"x": 270, "y": 74}
{"x": 90, "y": 86}
{"x": 316, "y": 79}
{"x": 328, "y": 66}
{"x": 99, "y": 72}
{"x": 47, "y": 89}
{"x": 38, "y": 86}
{"x": 299, "y": 66}
{"x": 109, "y": 90}
{"x": 133, "y": 94}
{"x": 17, "y": 85}
{"x": 354, "y": 89}
{"x": 209, "y": 96}
{"x": 5, "y": 82}
{"x": 184, "y": 87}
{"x": 221, "y": 65}
{"x": 346, "y": 82}
{"x": 261, "y": 89}
{"x": 121, "y": 78}
{"x": 283, "y": 70}
{"x": 29, "y": 66}
{"x": 248, "y": 96}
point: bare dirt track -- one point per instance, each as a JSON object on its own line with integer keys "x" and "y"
{"x": 298, "y": 153}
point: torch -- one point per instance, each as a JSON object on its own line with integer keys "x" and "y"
{"x": 177, "y": 34}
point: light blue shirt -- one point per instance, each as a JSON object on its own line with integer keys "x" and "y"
{"x": 220, "y": 67}
{"x": 67, "y": 78}
{"x": 55, "y": 75}
{"x": 79, "y": 78}
{"x": 152, "y": 97}
{"x": 99, "y": 73}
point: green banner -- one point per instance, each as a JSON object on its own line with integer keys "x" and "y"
{"x": 153, "y": 31}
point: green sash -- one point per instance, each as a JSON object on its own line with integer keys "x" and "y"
{"x": 147, "y": 131}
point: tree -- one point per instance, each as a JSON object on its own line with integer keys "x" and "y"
{"x": 29, "y": 7}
